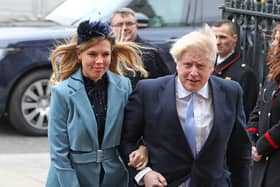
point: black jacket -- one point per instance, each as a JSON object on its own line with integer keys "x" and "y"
{"x": 264, "y": 130}
{"x": 233, "y": 69}
{"x": 152, "y": 61}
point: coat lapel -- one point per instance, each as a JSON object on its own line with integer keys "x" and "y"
{"x": 84, "y": 109}
{"x": 114, "y": 105}
{"x": 219, "y": 100}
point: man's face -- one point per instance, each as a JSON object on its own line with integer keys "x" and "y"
{"x": 226, "y": 40}
{"x": 124, "y": 27}
{"x": 194, "y": 69}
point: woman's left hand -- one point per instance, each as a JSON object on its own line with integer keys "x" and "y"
{"x": 255, "y": 155}
{"x": 139, "y": 158}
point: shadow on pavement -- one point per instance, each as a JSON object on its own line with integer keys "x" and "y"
{"x": 6, "y": 128}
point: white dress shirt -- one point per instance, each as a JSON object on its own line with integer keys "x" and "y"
{"x": 203, "y": 120}
{"x": 202, "y": 102}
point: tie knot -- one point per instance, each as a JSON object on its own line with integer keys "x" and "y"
{"x": 191, "y": 96}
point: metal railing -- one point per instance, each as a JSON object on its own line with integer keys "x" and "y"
{"x": 255, "y": 20}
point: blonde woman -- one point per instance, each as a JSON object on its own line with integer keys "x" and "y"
{"x": 87, "y": 107}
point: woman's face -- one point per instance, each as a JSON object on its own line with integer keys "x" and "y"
{"x": 96, "y": 60}
{"x": 276, "y": 39}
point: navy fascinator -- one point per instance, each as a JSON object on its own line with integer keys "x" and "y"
{"x": 87, "y": 30}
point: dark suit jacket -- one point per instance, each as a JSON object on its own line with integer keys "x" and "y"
{"x": 233, "y": 68}
{"x": 151, "y": 112}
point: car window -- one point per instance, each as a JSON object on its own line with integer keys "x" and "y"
{"x": 164, "y": 13}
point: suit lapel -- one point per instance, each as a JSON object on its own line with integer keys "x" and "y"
{"x": 168, "y": 100}
{"x": 84, "y": 109}
{"x": 219, "y": 101}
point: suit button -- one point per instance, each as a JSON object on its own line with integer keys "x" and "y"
{"x": 269, "y": 114}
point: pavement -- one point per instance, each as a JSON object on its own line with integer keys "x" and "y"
{"x": 23, "y": 170}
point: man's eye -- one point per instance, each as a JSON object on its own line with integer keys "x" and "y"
{"x": 188, "y": 65}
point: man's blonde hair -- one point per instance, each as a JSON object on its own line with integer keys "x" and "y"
{"x": 203, "y": 39}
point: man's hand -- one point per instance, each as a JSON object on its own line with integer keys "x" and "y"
{"x": 255, "y": 155}
{"x": 154, "y": 179}
{"x": 139, "y": 158}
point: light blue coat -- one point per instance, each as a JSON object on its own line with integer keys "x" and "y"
{"x": 73, "y": 135}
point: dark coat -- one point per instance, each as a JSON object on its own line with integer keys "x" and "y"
{"x": 233, "y": 69}
{"x": 151, "y": 112}
{"x": 264, "y": 130}
{"x": 152, "y": 62}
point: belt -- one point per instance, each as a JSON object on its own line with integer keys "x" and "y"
{"x": 97, "y": 156}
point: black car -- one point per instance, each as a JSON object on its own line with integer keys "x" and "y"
{"x": 25, "y": 49}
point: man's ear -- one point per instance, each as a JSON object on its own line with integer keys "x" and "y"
{"x": 235, "y": 37}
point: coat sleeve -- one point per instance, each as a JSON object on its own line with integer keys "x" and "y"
{"x": 250, "y": 86}
{"x": 239, "y": 148}
{"x": 58, "y": 140}
{"x": 133, "y": 125}
{"x": 252, "y": 126}
{"x": 270, "y": 141}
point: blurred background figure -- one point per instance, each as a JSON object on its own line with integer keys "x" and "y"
{"x": 264, "y": 123}
{"x": 124, "y": 26}
{"x": 229, "y": 63}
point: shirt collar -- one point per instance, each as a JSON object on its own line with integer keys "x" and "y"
{"x": 220, "y": 59}
{"x": 183, "y": 93}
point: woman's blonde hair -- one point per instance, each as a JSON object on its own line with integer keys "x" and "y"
{"x": 125, "y": 57}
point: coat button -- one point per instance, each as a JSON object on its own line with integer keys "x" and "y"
{"x": 266, "y": 158}
{"x": 269, "y": 114}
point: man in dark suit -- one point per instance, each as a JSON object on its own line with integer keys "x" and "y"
{"x": 229, "y": 64}
{"x": 192, "y": 123}
{"x": 124, "y": 26}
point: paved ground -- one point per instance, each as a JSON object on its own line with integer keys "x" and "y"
{"x": 23, "y": 170}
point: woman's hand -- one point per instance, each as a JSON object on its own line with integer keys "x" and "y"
{"x": 139, "y": 158}
{"x": 255, "y": 155}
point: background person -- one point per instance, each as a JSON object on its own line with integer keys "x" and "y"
{"x": 124, "y": 26}
{"x": 229, "y": 63}
{"x": 87, "y": 108}
{"x": 217, "y": 153}
{"x": 264, "y": 123}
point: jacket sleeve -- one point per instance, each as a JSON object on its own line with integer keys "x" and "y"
{"x": 252, "y": 126}
{"x": 270, "y": 141}
{"x": 249, "y": 83}
{"x": 239, "y": 148}
{"x": 133, "y": 126}
{"x": 58, "y": 140}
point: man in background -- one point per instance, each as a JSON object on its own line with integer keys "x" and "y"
{"x": 124, "y": 26}
{"x": 229, "y": 63}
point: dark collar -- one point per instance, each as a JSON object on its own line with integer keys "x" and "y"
{"x": 227, "y": 63}
{"x": 91, "y": 84}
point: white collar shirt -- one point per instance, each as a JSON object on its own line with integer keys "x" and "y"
{"x": 203, "y": 111}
